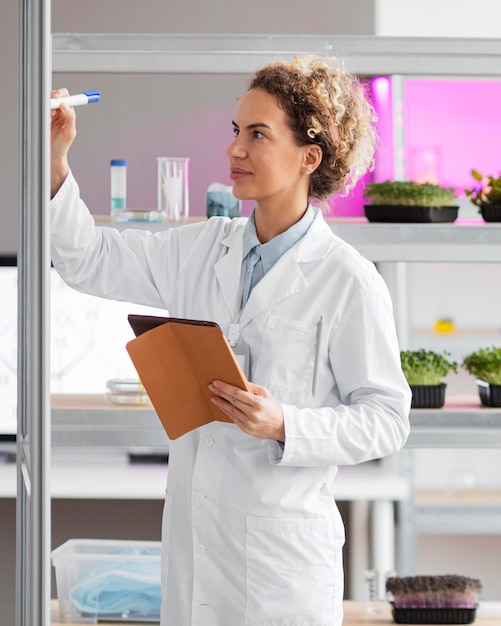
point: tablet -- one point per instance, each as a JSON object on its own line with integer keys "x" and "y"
{"x": 142, "y": 323}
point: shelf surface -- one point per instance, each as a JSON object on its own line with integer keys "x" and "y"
{"x": 82, "y": 420}
{"x": 462, "y": 423}
{"x": 365, "y": 55}
{"x": 471, "y": 241}
{"x": 464, "y": 512}
{"x": 99, "y": 474}
{"x": 89, "y": 420}
{"x": 459, "y": 242}
{"x": 356, "y": 614}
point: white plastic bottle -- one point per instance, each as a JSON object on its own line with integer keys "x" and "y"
{"x": 118, "y": 168}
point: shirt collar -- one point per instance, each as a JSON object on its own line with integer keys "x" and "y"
{"x": 272, "y": 250}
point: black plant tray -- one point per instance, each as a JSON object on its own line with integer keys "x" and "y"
{"x": 433, "y": 616}
{"x": 490, "y": 395}
{"x": 414, "y": 214}
{"x": 491, "y": 212}
{"x": 428, "y": 396}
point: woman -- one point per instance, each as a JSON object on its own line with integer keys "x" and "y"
{"x": 251, "y": 532}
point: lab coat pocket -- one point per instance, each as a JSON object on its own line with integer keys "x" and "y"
{"x": 287, "y": 358}
{"x": 293, "y": 568}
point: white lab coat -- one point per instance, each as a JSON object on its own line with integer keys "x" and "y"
{"x": 251, "y": 534}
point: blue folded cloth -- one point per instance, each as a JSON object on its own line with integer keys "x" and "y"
{"x": 131, "y": 590}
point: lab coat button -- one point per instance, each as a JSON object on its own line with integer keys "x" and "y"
{"x": 200, "y": 548}
{"x": 200, "y": 496}
{"x": 209, "y": 441}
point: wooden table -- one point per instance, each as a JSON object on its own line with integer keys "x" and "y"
{"x": 356, "y": 614}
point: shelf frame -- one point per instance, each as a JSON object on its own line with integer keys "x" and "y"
{"x": 365, "y": 55}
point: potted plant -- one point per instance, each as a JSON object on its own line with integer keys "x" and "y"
{"x": 486, "y": 195}
{"x": 485, "y": 365}
{"x": 408, "y": 201}
{"x": 424, "y": 371}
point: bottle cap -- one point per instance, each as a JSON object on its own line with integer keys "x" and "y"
{"x": 118, "y": 162}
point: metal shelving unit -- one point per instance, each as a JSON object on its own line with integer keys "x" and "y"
{"x": 231, "y": 54}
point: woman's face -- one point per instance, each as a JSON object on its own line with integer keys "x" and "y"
{"x": 266, "y": 164}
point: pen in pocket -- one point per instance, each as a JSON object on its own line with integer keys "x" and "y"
{"x": 317, "y": 354}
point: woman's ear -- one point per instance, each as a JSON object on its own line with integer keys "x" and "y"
{"x": 312, "y": 157}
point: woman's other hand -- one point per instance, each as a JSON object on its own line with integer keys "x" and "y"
{"x": 63, "y": 132}
{"x": 257, "y": 413}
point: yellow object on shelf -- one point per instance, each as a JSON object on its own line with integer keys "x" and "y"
{"x": 444, "y": 326}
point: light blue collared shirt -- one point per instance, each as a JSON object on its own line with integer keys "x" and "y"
{"x": 272, "y": 250}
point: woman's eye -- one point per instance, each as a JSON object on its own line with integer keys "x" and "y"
{"x": 258, "y": 134}
{"x": 236, "y": 131}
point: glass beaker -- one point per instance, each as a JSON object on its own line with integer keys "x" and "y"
{"x": 221, "y": 201}
{"x": 376, "y": 587}
{"x": 173, "y": 197}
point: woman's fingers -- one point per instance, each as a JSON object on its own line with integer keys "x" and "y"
{"x": 59, "y": 93}
{"x": 256, "y": 413}
{"x": 63, "y": 127}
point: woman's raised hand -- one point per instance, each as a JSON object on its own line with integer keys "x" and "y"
{"x": 63, "y": 132}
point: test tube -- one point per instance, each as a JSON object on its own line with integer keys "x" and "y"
{"x": 118, "y": 169}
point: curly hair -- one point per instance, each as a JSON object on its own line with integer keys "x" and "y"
{"x": 328, "y": 107}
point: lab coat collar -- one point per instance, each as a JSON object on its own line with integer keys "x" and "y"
{"x": 229, "y": 267}
{"x": 285, "y": 279}
{"x": 317, "y": 242}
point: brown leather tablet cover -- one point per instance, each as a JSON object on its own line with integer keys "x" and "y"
{"x": 176, "y": 361}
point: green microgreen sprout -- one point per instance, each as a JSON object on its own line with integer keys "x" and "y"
{"x": 409, "y": 193}
{"x": 485, "y": 364}
{"x": 426, "y": 367}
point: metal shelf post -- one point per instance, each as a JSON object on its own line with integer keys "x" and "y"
{"x": 33, "y": 434}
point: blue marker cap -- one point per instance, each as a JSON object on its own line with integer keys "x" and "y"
{"x": 93, "y": 95}
{"x": 118, "y": 162}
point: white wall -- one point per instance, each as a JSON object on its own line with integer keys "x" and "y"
{"x": 438, "y": 18}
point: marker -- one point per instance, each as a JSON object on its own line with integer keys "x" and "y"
{"x": 73, "y": 101}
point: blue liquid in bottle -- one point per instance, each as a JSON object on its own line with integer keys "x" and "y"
{"x": 118, "y": 168}
{"x": 117, "y": 203}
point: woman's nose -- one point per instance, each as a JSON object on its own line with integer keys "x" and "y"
{"x": 235, "y": 149}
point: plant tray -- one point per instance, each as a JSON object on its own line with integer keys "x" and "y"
{"x": 434, "y": 616}
{"x": 428, "y": 396}
{"x": 491, "y": 212}
{"x": 414, "y": 214}
{"x": 490, "y": 395}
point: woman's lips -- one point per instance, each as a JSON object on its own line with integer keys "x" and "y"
{"x": 236, "y": 173}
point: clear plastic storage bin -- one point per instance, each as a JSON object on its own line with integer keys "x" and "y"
{"x": 108, "y": 580}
